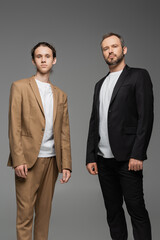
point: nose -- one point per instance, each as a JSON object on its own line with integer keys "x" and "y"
{"x": 43, "y": 59}
{"x": 110, "y": 50}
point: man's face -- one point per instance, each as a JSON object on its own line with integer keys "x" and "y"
{"x": 43, "y": 59}
{"x": 112, "y": 50}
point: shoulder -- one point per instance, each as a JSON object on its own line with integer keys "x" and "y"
{"x": 98, "y": 86}
{"x": 101, "y": 80}
{"x": 59, "y": 91}
{"x": 138, "y": 71}
{"x": 140, "y": 76}
{"x": 20, "y": 83}
{"x": 99, "y": 83}
{"x": 61, "y": 95}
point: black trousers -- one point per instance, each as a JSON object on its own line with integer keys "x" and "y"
{"x": 118, "y": 184}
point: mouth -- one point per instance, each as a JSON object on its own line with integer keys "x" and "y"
{"x": 43, "y": 66}
{"x": 111, "y": 56}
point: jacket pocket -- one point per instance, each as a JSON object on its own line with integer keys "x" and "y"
{"x": 25, "y": 126}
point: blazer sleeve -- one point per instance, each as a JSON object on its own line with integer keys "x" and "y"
{"x": 15, "y": 141}
{"x": 65, "y": 139}
{"x": 144, "y": 102}
{"x": 91, "y": 144}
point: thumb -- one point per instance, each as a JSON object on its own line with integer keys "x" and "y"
{"x": 129, "y": 167}
{"x": 96, "y": 169}
{"x": 25, "y": 169}
{"x": 64, "y": 175}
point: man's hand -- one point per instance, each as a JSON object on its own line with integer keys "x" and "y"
{"x": 92, "y": 168}
{"x": 135, "y": 164}
{"x": 21, "y": 171}
{"x": 66, "y": 176}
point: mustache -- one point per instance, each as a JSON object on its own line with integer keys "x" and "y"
{"x": 112, "y": 54}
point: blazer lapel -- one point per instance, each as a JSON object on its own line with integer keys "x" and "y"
{"x": 54, "y": 101}
{"x": 119, "y": 83}
{"x": 35, "y": 89}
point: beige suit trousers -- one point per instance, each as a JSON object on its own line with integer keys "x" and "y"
{"x": 34, "y": 194}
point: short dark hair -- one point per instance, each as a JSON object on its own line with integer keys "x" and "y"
{"x": 114, "y": 34}
{"x": 45, "y": 44}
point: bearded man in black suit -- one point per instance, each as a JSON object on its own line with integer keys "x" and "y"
{"x": 119, "y": 133}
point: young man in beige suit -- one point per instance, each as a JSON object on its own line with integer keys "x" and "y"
{"x": 39, "y": 138}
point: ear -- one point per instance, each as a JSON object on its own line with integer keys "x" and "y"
{"x": 124, "y": 50}
{"x": 54, "y": 61}
{"x": 33, "y": 62}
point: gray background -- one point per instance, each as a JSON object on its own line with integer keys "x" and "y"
{"x": 76, "y": 28}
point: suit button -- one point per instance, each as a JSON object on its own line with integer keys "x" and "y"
{"x": 42, "y": 129}
{"x": 109, "y": 111}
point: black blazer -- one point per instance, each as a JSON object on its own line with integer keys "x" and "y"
{"x": 130, "y": 117}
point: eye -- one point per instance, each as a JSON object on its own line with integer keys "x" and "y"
{"x": 38, "y": 56}
{"x": 105, "y": 49}
{"x": 115, "y": 45}
{"x": 48, "y": 56}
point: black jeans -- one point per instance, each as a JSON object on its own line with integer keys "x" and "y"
{"x": 118, "y": 183}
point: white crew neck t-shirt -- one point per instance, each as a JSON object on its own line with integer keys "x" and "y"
{"x": 47, "y": 146}
{"x": 105, "y": 98}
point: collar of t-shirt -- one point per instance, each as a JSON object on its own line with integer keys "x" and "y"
{"x": 44, "y": 87}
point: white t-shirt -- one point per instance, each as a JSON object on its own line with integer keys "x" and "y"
{"x": 105, "y": 98}
{"x": 47, "y": 147}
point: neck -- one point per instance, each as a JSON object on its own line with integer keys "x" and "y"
{"x": 42, "y": 77}
{"x": 118, "y": 67}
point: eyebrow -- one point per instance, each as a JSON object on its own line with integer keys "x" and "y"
{"x": 110, "y": 45}
{"x": 43, "y": 54}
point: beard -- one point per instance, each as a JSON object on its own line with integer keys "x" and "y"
{"x": 116, "y": 61}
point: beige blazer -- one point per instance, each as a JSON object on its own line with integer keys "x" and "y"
{"x": 27, "y": 124}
